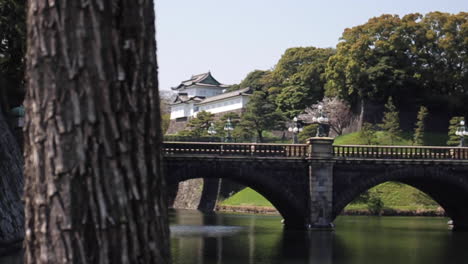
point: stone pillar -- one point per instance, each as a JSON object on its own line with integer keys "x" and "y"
{"x": 320, "y": 182}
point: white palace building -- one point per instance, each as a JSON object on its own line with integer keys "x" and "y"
{"x": 202, "y": 92}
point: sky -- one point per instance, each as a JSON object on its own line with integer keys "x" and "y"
{"x": 231, "y": 38}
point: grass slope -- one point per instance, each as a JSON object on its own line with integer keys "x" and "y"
{"x": 430, "y": 139}
{"x": 394, "y": 195}
{"x": 247, "y": 197}
{"x": 398, "y": 196}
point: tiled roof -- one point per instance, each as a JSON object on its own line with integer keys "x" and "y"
{"x": 185, "y": 99}
{"x": 204, "y": 79}
{"x": 245, "y": 91}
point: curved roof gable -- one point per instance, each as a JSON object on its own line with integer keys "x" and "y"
{"x": 204, "y": 79}
{"x": 245, "y": 91}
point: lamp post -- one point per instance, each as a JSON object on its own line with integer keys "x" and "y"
{"x": 322, "y": 121}
{"x": 228, "y": 128}
{"x": 295, "y": 129}
{"x": 461, "y": 132}
{"x": 212, "y": 130}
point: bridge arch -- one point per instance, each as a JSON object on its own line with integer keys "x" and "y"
{"x": 446, "y": 185}
{"x": 271, "y": 181}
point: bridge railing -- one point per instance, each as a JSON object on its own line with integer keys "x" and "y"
{"x": 236, "y": 149}
{"x": 400, "y": 152}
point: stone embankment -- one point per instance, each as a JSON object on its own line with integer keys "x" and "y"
{"x": 385, "y": 212}
{"x": 247, "y": 209}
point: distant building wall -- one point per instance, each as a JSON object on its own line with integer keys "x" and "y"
{"x": 180, "y": 124}
{"x": 221, "y": 106}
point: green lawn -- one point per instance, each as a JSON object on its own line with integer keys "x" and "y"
{"x": 398, "y": 196}
{"x": 247, "y": 197}
{"x": 431, "y": 139}
{"x": 394, "y": 195}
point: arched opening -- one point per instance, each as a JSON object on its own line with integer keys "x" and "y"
{"x": 247, "y": 198}
{"x": 394, "y": 198}
{"x": 280, "y": 199}
{"x": 444, "y": 186}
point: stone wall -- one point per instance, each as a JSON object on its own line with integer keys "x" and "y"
{"x": 176, "y": 126}
{"x": 188, "y": 194}
{"x": 197, "y": 194}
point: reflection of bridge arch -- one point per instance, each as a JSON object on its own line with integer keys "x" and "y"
{"x": 283, "y": 184}
{"x": 446, "y": 185}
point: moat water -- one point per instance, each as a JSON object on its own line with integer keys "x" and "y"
{"x": 217, "y": 238}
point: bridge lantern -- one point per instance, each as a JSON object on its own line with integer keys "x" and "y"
{"x": 461, "y": 132}
{"x": 212, "y": 130}
{"x": 228, "y": 127}
{"x": 295, "y": 128}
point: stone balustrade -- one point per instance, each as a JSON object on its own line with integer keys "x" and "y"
{"x": 305, "y": 150}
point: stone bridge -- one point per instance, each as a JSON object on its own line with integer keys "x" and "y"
{"x": 310, "y": 184}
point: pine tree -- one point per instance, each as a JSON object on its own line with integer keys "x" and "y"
{"x": 367, "y": 133}
{"x": 200, "y": 124}
{"x": 454, "y": 123}
{"x": 391, "y": 121}
{"x": 419, "y": 131}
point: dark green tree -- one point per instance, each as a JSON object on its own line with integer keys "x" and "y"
{"x": 416, "y": 59}
{"x": 243, "y": 133}
{"x": 367, "y": 133}
{"x": 12, "y": 50}
{"x": 375, "y": 204}
{"x": 261, "y": 115}
{"x": 307, "y": 132}
{"x": 199, "y": 125}
{"x": 299, "y": 78}
{"x": 420, "y": 126}
{"x": 219, "y": 125}
{"x": 391, "y": 121}
{"x": 454, "y": 124}
{"x": 255, "y": 80}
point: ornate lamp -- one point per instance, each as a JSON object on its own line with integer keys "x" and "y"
{"x": 228, "y": 127}
{"x": 322, "y": 121}
{"x": 461, "y": 132}
{"x": 295, "y": 129}
{"x": 212, "y": 130}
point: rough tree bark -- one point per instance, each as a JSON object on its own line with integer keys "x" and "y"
{"x": 11, "y": 190}
{"x": 94, "y": 188}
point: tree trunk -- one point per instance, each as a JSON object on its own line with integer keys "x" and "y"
{"x": 260, "y": 136}
{"x": 94, "y": 187}
{"x": 11, "y": 190}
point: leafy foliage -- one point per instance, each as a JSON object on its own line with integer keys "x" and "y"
{"x": 261, "y": 115}
{"x": 420, "y": 126}
{"x": 219, "y": 125}
{"x": 307, "y": 132}
{"x": 391, "y": 121}
{"x": 200, "y": 124}
{"x": 367, "y": 133}
{"x": 165, "y": 121}
{"x": 299, "y": 78}
{"x": 255, "y": 80}
{"x": 416, "y": 59}
{"x": 375, "y": 204}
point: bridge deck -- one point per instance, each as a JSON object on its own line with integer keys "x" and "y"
{"x": 302, "y": 151}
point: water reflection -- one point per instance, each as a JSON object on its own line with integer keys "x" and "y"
{"x": 229, "y": 238}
